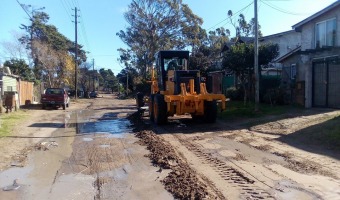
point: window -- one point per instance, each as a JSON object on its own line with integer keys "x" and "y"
{"x": 293, "y": 71}
{"x": 325, "y": 33}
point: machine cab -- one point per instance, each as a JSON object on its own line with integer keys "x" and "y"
{"x": 172, "y": 71}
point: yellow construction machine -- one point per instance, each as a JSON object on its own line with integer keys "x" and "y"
{"x": 175, "y": 90}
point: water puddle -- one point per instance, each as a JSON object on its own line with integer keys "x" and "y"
{"x": 108, "y": 123}
{"x": 112, "y": 126}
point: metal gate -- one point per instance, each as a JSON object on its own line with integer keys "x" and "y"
{"x": 326, "y": 84}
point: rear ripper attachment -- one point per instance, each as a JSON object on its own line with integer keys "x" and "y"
{"x": 176, "y": 90}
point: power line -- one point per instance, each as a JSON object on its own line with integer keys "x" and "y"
{"x": 69, "y": 5}
{"x": 76, "y": 2}
{"x": 66, "y": 10}
{"x": 73, "y": 3}
{"x": 25, "y": 9}
{"x": 234, "y": 14}
{"x": 281, "y": 9}
{"x": 246, "y": 12}
{"x": 82, "y": 25}
{"x": 84, "y": 32}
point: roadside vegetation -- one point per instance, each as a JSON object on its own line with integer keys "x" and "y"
{"x": 8, "y": 121}
{"x": 237, "y": 109}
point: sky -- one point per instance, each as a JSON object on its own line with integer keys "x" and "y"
{"x": 100, "y": 20}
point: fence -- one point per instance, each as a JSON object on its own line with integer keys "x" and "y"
{"x": 26, "y": 93}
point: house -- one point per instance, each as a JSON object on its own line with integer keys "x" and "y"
{"x": 316, "y": 63}
{"x": 8, "y": 85}
{"x": 287, "y": 41}
{"x": 11, "y": 84}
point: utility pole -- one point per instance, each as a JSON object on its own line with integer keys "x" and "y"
{"x": 256, "y": 62}
{"x": 93, "y": 74}
{"x": 76, "y": 52}
{"x": 127, "y": 82}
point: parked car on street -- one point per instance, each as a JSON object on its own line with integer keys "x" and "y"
{"x": 55, "y": 97}
{"x": 93, "y": 94}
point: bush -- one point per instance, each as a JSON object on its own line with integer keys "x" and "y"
{"x": 274, "y": 96}
{"x": 234, "y": 93}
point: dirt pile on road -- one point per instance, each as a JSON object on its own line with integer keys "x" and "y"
{"x": 182, "y": 181}
{"x": 136, "y": 119}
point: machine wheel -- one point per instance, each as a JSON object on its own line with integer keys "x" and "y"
{"x": 139, "y": 99}
{"x": 210, "y": 111}
{"x": 197, "y": 117}
{"x": 160, "y": 110}
{"x": 151, "y": 102}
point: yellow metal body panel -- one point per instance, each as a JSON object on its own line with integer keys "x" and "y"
{"x": 191, "y": 102}
{"x": 185, "y": 102}
{"x": 170, "y": 85}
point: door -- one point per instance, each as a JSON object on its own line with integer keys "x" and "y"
{"x": 319, "y": 84}
{"x": 334, "y": 84}
{"x": 326, "y": 84}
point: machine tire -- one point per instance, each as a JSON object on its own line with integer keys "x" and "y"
{"x": 139, "y": 100}
{"x": 210, "y": 111}
{"x": 197, "y": 118}
{"x": 160, "y": 110}
{"x": 151, "y": 102}
{"x": 64, "y": 106}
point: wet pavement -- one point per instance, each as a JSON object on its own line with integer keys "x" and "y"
{"x": 96, "y": 157}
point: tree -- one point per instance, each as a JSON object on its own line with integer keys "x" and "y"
{"x": 85, "y": 76}
{"x": 128, "y": 73}
{"x": 157, "y": 25}
{"x": 242, "y": 27}
{"x": 20, "y": 68}
{"x": 14, "y": 48}
{"x": 193, "y": 34}
{"x": 50, "y": 50}
{"x": 240, "y": 60}
{"x": 207, "y": 56}
{"x": 201, "y": 60}
{"x": 108, "y": 80}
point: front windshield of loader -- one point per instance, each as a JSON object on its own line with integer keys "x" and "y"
{"x": 174, "y": 64}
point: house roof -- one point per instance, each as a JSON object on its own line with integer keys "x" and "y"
{"x": 287, "y": 55}
{"x": 9, "y": 75}
{"x": 234, "y": 41}
{"x": 298, "y": 26}
{"x": 276, "y": 35}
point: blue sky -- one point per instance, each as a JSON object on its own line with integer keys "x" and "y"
{"x": 100, "y": 20}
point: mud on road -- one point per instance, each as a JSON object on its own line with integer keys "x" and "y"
{"x": 268, "y": 159}
{"x": 92, "y": 151}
